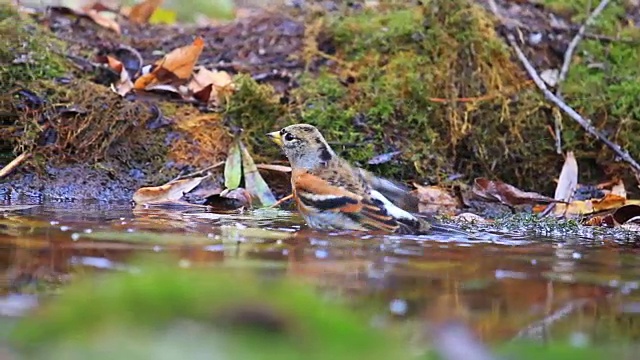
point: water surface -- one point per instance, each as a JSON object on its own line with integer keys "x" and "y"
{"x": 504, "y": 285}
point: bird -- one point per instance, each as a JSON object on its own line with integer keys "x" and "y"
{"x": 331, "y": 194}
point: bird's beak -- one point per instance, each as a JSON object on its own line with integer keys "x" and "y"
{"x": 275, "y": 137}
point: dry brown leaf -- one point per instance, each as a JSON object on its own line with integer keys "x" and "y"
{"x": 175, "y": 66}
{"x": 167, "y": 193}
{"x": 568, "y": 180}
{"x": 124, "y": 84}
{"x": 208, "y": 86}
{"x": 619, "y": 189}
{"x": 608, "y": 202}
{"x": 141, "y": 12}
{"x": 102, "y": 20}
{"x": 434, "y": 199}
{"x": 498, "y": 191}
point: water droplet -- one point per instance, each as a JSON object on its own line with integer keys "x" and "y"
{"x": 131, "y": 230}
{"x": 122, "y": 219}
{"x": 157, "y": 248}
{"x": 75, "y": 236}
{"x": 184, "y": 263}
{"x": 88, "y": 231}
{"x": 285, "y": 252}
{"x": 398, "y": 307}
{"x": 64, "y": 228}
{"x": 534, "y": 262}
{"x": 53, "y": 222}
{"x": 579, "y": 339}
{"x": 576, "y": 255}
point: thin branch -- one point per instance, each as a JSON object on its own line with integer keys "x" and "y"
{"x": 281, "y": 201}
{"x": 13, "y": 164}
{"x": 198, "y": 172}
{"x": 585, "y": 123}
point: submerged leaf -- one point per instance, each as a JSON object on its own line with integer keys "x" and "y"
{"x": 233, "y": 167}
{"x": 254, "y": 183}
{"x": 167, "y": 193}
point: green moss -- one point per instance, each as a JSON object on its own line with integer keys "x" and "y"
{"x": 603, "y": 81}
{"x": 255, "y": 109}
{"x": 434, "y": 81}
{"x": 198, "y": 314}
{"x": 27, "y": 52}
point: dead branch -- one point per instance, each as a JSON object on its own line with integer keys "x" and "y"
{"x": 585, "y": 123}
{"x": 13, "y": 164}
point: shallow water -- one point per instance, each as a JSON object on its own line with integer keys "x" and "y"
{"x": 505, "y": 286}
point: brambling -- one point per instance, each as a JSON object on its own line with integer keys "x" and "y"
{"x": 332, "y": 194}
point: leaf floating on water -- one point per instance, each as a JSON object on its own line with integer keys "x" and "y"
{"x": 568, "y": 180}
{"x": 167, "y": 193}
{"x": 233, "y": 167}
{"x": 498, "y": 191}
{"x": 254, "y": 183}
{"x": 176, "y": 65}
{"x": 141, "y": 12}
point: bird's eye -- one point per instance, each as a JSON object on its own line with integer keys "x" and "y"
{"x": 288, "y": 137}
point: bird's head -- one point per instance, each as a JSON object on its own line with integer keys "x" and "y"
{"x": 304, "y": 145}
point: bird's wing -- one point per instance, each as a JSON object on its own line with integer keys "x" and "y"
{"x": 320, "y": 195}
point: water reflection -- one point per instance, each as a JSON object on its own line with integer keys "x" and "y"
{"x": 505, "y": 286}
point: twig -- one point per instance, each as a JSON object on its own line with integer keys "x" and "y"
{"x": 279, "y": 202}
{"x": 585, "y": 123}
{"x": 538, "y": 329}
{"x": 568, "y": 55}
{"x": 274, "y": 167}
{"x": 13, "y": 164}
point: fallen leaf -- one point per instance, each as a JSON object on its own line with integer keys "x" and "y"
{"x": 124, "y": 85}
{"x": 619, "y": 189}
{"x": 233, "y": 167}
{"x": 175, "y": 66}
{"x": 434, "y": 199}
{"x": 208, "y": 86}
{"x": 141, "y": 12}
{"x": 568, "y": 180}
{"x": 608, "y": 202}
{"x": 102, "y": 20}
{"x": 626, "y": 214}
{"x": 253, "y": 181}
{"x": 280, "y": 168}
{"x": 498, "y": 191}
{"x": 167, "y": 193}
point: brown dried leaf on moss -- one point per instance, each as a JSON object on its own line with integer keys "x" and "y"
{"x": 170, "y": 192}
{"x": 176, "y": 66}
{"x": 498, "y": 191}
{"x": 435, "y": 200}
{"x": 124, "y": 84}
{"x": 210, "y": 86}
